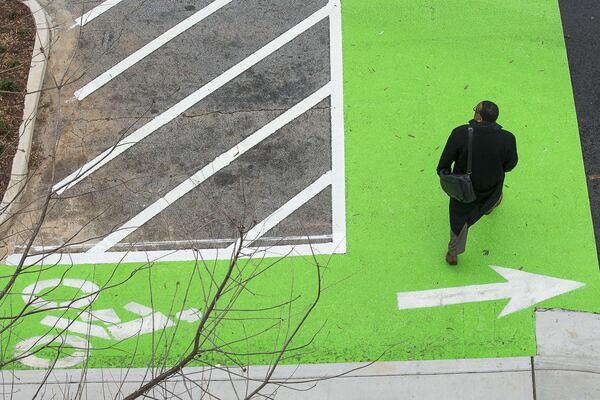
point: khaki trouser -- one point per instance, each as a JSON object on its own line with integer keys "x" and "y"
{"x": 458, "y": 242}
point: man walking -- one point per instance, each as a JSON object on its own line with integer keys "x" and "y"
{"x": 494, "y": 153}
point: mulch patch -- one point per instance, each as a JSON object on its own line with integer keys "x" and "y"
{"x": 17, "y": 37}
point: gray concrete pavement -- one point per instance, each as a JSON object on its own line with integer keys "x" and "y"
{"x": 458, "y": 379}
{"x": 567, "y": 365}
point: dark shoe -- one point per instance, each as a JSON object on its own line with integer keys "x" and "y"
{"x": 450, "y": 259}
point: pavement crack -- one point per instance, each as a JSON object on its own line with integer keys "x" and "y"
{"x": 534, "y": 389}
{"x": 108, "y": 119}
{"x": 186, "y": 115}
{"x": 199, "y": 115}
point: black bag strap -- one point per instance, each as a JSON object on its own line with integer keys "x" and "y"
{"x": 470, "y": 151}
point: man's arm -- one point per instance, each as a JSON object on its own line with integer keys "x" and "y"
{"x": 450, "y": 153}
{"x": 511, "y": 157}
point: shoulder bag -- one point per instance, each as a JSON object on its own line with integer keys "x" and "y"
{"x": 459, "y": 186}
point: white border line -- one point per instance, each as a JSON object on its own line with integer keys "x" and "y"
{"x": 179, "y": 108}
{"x": 171, "y": 255}
{"x": 274, "y": 239}
{"x": 210, "y": 169}
{"x": 338, "y": 188}
{"x": 95, "y": 12}
{"x": 149, "y": 48}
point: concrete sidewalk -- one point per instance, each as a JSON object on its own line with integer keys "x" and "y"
{"x": 566, "y": 367}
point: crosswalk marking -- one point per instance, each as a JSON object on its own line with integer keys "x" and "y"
{"x": 336, "y": 241}
{"x": 179, "y": 108}
{"x": 149, "y": 48}
{"x": 210, "y": 169}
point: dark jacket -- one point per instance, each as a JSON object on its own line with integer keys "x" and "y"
{"x": 494, "y": 154}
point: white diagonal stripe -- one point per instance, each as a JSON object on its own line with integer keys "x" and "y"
{"x": 94, "y": 12}
{"x": 286, "y": 210}
{"x": 148, "y": 49}
{"x": 210, "y": 169}
{"x": 189, "y": 101}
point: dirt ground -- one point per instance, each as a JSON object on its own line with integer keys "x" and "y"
{"x": 17, "y": 36}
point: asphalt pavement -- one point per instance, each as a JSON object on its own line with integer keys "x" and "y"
{"x": 146, "y": 90}
{"x": 581, "y": 25}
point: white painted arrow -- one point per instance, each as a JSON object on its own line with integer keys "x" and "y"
{"x": 522, "y": 288}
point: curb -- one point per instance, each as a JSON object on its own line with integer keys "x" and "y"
{"x": 35, "y": 81}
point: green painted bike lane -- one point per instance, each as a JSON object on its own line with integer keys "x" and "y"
{"x": 413, "y": 70}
